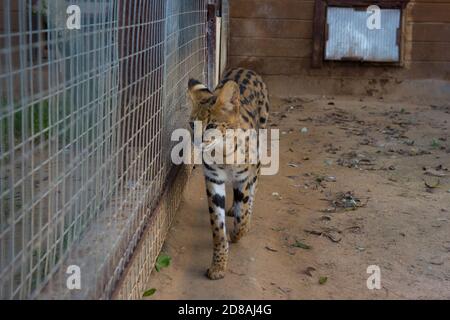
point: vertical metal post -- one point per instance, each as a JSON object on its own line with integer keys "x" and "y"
{"x": 211, "y": 45}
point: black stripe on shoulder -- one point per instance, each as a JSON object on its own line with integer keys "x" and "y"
{"x": 238, "y": 75}
{"x": 229, "y": 72}
{"x": 215, "y": 181}
{"x": 242, "y": 171}
{"x": 208, "y": 167}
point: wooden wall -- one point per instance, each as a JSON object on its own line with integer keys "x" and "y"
{"x": 275, "y": 38}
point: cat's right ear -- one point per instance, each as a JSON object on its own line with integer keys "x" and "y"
{"x": 198, "y": 91}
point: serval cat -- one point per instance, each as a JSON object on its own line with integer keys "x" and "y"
{"x": 240, "y": 101}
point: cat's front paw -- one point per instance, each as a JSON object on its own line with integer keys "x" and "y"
{"x": 234, "y": 237}
{"x": 215, "y": 273}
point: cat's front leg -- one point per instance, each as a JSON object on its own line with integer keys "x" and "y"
{"x": 216, "y": 200}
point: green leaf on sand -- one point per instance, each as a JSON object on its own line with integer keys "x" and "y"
{"x": 163, "y": 261}
{"x": 299, "y": 244}
{"x": 149, "y": 292}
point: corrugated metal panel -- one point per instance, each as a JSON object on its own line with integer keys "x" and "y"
{"x": 350, "y": 38}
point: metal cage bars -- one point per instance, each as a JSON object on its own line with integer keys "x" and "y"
{"x": 85, "y": 123}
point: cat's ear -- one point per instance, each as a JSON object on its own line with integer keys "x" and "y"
{"x": 229, "y": 97}
{"x": 198, "y": 91}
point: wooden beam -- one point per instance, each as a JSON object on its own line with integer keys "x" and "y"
{"x": 320, "y": 7}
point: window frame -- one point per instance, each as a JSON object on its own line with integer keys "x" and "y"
{"x": 319, "y": 37}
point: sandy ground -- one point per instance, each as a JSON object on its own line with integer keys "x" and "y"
{"x": 351, "y": 192}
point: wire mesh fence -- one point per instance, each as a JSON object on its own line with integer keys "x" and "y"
{"x": 85, "y": 122}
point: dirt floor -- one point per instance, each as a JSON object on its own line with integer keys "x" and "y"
{"x": 366, "y": 183}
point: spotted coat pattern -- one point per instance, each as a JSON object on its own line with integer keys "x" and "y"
{"x": 240, "y": 101}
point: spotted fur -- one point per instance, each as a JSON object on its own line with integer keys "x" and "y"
{"x": 240, "y": 101}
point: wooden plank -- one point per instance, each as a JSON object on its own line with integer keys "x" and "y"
{"x": 272, "y": 65}
{"x": 273, "y": 9}
{"x": 423, "y": 51}
{"x": 270, "y": 47}
{"x": 429, "y": 32}
{"x": 366, "y": 3}
{"x": 430, "y": 1}
{"x": 301, "y": 67}
{"x": 318, "y": 33}
{"x": 429, "y": 12}
{"x": 427, "y": 70}
{"x": 268, "y": 28}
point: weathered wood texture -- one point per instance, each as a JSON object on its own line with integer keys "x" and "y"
{"x": 276, "y": 37}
